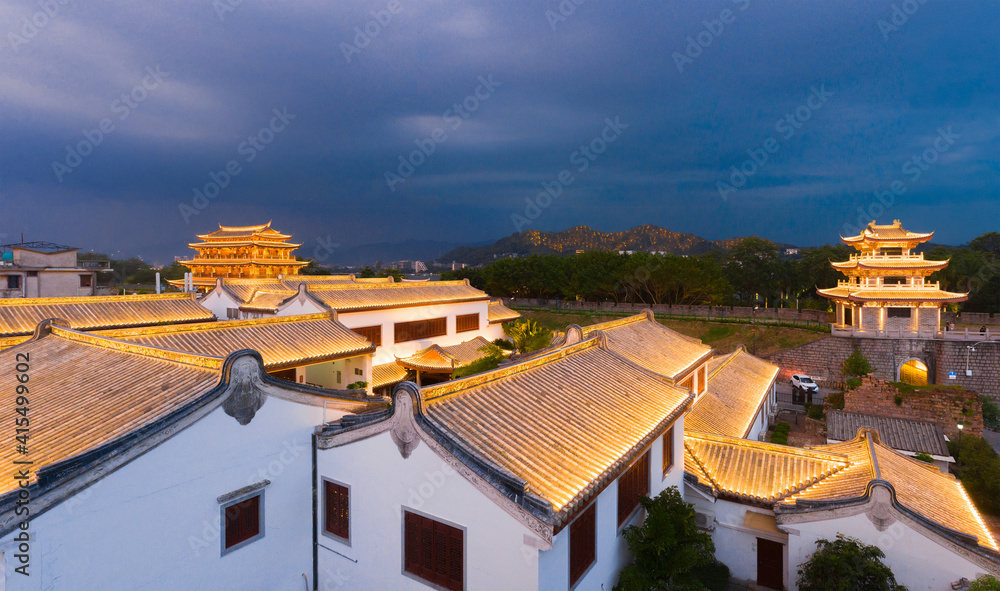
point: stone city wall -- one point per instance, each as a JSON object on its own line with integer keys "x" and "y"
{"x": 946, "y": 406}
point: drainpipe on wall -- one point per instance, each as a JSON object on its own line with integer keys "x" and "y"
{"x": 315, "y": 515}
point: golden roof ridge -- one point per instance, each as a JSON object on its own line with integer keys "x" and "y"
{"x": 94, "y": 299}
{"x": 212, "y": 325}
{"x": 181, "y": 357}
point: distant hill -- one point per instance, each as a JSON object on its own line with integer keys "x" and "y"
{"x": 640, "y": 239}
{"x": 385, "y": 252}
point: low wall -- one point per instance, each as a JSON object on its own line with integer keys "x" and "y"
{"x": 946, "y": 407}
{"x": 823, "y": 360}
{"x": 974, "y": 318}
{"x": 789, "y": 315}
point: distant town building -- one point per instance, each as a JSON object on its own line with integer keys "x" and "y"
{"x": 46, "y": 270}
{"x": 791, "y": 251}
{"x": 886, "y": 287}
{"x": 241, "y": 252}
{"x": 419, "y": 267}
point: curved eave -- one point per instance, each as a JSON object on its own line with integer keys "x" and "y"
{"x": 241, "y": 262}
{"x": 247, "y": 242}
{"x": 949, "y": 299}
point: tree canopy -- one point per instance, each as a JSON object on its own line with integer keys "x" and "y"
{"x": 846, "y": 564}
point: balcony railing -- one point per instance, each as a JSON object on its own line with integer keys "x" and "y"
{"x": 839, "y": 330}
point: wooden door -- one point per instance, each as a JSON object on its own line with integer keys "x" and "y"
{"x": 770, "y": 564}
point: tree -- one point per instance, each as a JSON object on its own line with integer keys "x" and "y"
{"x": 985, "y": 583}
{"x": 750, "y": 268}
{"x": 988, "y": 243}
{"x": 668, "y": 549}
{"x": 527, "y": 335}
{"x": 978, "y": 467}
{"x": 857, "y": 364}
{"x": 492, "y": 356}
{"x": 846, "y": 564}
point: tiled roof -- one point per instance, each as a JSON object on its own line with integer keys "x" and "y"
{"x": 86, "y": 392}
{"x": 920, "y": 487}
{"x": 269, "y": 300}
{"x": 565, "y": 422}
{"x": 20, "y": 316}
{"x": 501, "y": 313}
{"x": 894, "y": 231}
{"x": 909, "y": 294}
{"x": 899, "y": 434}
{"x": 387, "y": 374}
{"x": 39, "y": 246}
{"x": 354, "y": 298}
{"x": 738, "y": 385}
{"x": 445, "y": 359}
{"x": 230, "y": 232}
{"x": 643, "y": 341}
{"x": 244, "y": 289}
{"x": 285, "y": 341}
{"x": 892, "y": 263}
{"x": 755, "y": 471}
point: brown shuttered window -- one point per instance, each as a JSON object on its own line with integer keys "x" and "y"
{"x": 633, "y": 484}
{"x": 420, "y": 329}
{"x": 582, "y": 543}
{"x": 668, "y": 450}
{"x": 242, "y": 521}
{"x": 372, "y": 333}
{"x": 434, "y": 551}
{"x": 688, "y": 383}
{"x": 338, "y": 509}
{"x": 466, "y": 322}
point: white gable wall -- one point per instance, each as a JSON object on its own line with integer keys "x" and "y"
{"x": 382, "y": 484}
{"x": 917, "y": 561}
{"x": 218, "y": 302}
{"x": 154, "y": 523}
{"x": 612, "y": 551}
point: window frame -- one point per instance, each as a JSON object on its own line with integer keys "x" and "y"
{"x": 259, "y": 492}
{"x": 625, "y": 518}
{"x": 16, "y": 279}
{"x": 591, "y": 509}
{"x": 325, "y": 517}
{"x": 466, "y": 317}
{"x": 375, "y": 329}
{"x": 418, "y": 577}
{"x": 890, "y": 309}
{"x": 397, "y": 326}
{"x": 86, "y": 280}
{"x": 668, "y": 436}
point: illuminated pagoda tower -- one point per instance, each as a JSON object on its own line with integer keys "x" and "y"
{"x": 251, "y": 252}
{"x": 886, "y": 287}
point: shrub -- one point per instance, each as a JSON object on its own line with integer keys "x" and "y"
{"x": 985, "y": 583}
{"x": 898, "y": 399}
{"x": 504, "y": 344}
{"x": 835, "y": 400}
{"x": 492, "y": 356}
{"x": 780, "y": 435}
{"x": 991, "y": 414}
{"x": 359, "y": 385}
{"x": 924, "y": 457}
{"x": 846, "y": 563}
{"x": 527, "y": 335}
{"x": 978, "y": 467}
{"x": 668, "y": 549}
{"x": 815, "y": 412}
{"x": 853, "y": 383}
{"x": 715, "y": 576}
{"x": 857, "y": 364}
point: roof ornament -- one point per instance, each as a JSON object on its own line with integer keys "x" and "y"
{"x": 246, "y": 387}
{"x": 404, "y": 432}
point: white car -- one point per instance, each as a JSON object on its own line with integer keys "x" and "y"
{"x": 804, "y": 383}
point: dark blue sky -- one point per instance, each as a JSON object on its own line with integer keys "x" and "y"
{"x": 876, "y": 102}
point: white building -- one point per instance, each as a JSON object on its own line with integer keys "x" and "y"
{"x": 767, "y": 505}
{"x": 502, "y": 480}
{"x": 155, "y": 469}
{"x": 46, "y": 270}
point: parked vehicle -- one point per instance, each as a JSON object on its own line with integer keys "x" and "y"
{"x": 804, "y": 383}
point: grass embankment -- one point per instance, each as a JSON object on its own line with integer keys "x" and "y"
{"x": 723, "y": 336}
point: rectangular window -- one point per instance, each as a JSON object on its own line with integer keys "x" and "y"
{"x": 668, "y": 450}
{"x": 243, "y": 522}
{"x": 891, "y": 252}
{"x": 894, "y": 281}
{"x": 336, "y": 499}
{"x": 466, "y": 322}
{"x": 898, "y": 312}
{"x": 633, "y": 484}
{"x": 372, "y": 333}
{"x": 433, "y": 551}
{"x": 582, "y": 543}
{"x": 84, "y": 280}
{"x": 420, "y": 329}
{"x": 13, "y": 282}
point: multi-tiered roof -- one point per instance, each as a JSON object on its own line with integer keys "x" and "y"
{"x": 242, "y": 251}
{"x": 886, "y": 269}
